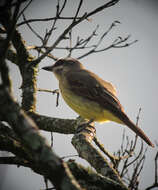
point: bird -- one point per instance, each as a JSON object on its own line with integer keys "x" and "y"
{"x": 90, "y": 96}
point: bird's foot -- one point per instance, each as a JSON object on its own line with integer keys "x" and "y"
{"x": 87, "y": 127}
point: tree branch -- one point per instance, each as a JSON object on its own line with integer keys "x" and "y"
{"x": 13, "y": 160}
{"x": 28, "y": 71}
{"x": 91, "y": 180}
{"x": 82, "y": 142}
{"x": 40, "y": 153}
{"x": 72, "y": 25}
{"x": 63, "y": 126}
{"x": 9, "y": 142}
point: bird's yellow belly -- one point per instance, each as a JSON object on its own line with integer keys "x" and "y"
{"x": 88, "y": 109}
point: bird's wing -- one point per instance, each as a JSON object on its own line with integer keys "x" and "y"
{"x": 86, "y": 84}
{"x": 108, "y": 86}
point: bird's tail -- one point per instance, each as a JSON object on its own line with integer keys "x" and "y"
{"x": 137, "y": 130}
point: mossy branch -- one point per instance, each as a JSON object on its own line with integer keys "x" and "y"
{"x": 50, "y": 165}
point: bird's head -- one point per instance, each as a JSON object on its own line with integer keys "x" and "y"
{"x": 63, "y": 65}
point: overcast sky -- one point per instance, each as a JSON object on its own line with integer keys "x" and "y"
{"x": 133, "y": 70}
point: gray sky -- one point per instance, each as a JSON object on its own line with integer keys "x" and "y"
{"x": 132, "y": 70}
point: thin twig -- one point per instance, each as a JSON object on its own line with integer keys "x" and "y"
{"x": 138, "y": 168}
{"x": 38, "y": 60}
{"x": 117, "y": 43}
{"x": 53, "y": 92}
{"x": 81, "y": 43}
{"x": 30, "y": 27}
{"x": 39, "y": 50}
{"x": 23, "y": 10}
{"x": 101, "y": 147}
{"x": 61, "y": 10}
{"x": 109, "y": 4}
{"x": 140, "y": 152}
{"x": 72, "y": 25}
{"x": 46, "y": 20}
{"x": 137, "y": 121}
{"x": 70, "y": 40}
{"x": 78, "y": 9}
{"x": 49, "y": 33}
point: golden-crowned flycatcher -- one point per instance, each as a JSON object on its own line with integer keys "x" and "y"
{"x": 90, "y": 96}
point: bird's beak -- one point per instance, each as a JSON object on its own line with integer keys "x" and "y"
{"x": 48, "y": 68}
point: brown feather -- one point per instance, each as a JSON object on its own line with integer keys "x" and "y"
{"x": 86, "y": 84}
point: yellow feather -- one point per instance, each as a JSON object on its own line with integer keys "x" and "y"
{"x": 87, "y": 108}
